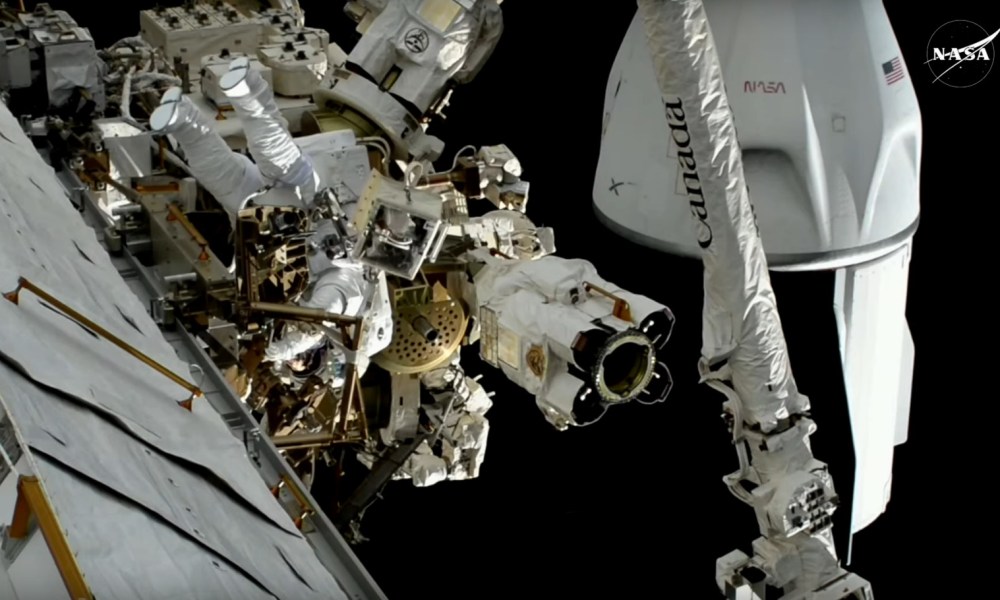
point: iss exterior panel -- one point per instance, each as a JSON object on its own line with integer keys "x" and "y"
{"x": 15, "y": 63}
{"x": 509, "y": 348}
{"x": 488, "y": 339}
{"x": 192, "y": 35}
{"x": 166, "y": 474}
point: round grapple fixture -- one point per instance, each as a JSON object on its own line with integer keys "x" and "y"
{"x": 621, "y": 366}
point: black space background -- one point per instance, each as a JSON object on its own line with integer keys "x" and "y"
{"x": 634, "y": 507}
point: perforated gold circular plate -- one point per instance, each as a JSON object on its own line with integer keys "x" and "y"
{"x": 410, "y": 352}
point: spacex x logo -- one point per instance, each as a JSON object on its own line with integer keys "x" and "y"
{"x": 960, "y": 54}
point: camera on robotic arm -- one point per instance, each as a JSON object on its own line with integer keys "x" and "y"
{"x": 399, "y": 227}
{"x": 335, "y": 235}
{"x": 493, "y": 173}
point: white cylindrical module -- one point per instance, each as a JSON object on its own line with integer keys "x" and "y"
{"x": 575, "y": 340}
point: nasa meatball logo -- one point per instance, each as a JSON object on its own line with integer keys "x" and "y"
{"x": 960, "y": 54}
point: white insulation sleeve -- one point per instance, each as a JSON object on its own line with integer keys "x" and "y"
{"x": 339, "y": 290}
{"x": 278, "y": 157}
{"x": 295, "y": 341}
{"x": 741, "y": 322}
{"x": 227, "y": 175}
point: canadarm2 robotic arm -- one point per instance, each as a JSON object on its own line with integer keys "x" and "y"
{"x": 744, "y": 354}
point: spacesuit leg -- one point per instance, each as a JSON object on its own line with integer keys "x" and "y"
{"x": 227, "y": 175}
{"x": 280, "y": 160}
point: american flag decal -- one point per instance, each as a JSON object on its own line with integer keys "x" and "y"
{"x": 893, "y": 71}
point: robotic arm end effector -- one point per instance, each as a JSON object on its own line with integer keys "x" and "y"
{"x": 608, "y": 369}
{"x": 576, "y": 341}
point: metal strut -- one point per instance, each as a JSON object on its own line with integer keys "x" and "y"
{"x": 24, "y": 284}
{"x": 32, "y": 501}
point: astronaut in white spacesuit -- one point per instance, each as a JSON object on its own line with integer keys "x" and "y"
{"x": 282, "y": 174}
